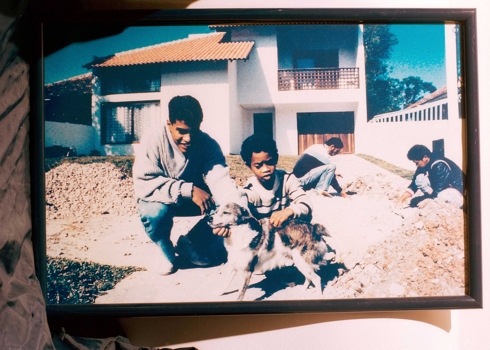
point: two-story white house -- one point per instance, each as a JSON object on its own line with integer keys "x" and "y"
{"x": 299, "y": 83}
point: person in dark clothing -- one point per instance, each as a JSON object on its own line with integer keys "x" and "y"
{"x": 435, "y": 177}
{"x": 314, "y": 169}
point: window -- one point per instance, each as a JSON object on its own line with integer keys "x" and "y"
{"x": 125, "y": 123}
{"x": 123, "y": 80}
{"x": 308, "y": 59}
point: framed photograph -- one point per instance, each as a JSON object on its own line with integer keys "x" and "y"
{"x": 373, "y": 202}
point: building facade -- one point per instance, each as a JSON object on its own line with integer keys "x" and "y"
{"x": 299, "y": 83}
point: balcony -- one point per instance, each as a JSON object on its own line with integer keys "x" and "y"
{"x": 318, "y": 79}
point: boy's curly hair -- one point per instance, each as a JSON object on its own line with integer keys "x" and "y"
{"x": 257, "y": 143}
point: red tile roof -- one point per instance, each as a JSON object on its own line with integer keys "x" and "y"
{"x": 436, "y": 95}
{"x": 196, "y": 48}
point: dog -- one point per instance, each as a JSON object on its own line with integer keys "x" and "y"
{"x": 255, "y": 246}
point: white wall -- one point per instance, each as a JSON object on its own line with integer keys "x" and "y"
{"x": 258, "y": 74}
{"x": 82, "y": 137}
{"x": 391, "y": 141}
{"x": 435, "y": 330}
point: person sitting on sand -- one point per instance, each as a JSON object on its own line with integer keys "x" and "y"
{"x": 436, "y": 177}
{"x": 181, "y": 171}
{"x": 314, "y": 169}
{"x": 272, "y": 192}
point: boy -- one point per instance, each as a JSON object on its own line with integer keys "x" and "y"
{"x": 314, "y": 169}
{"x": 435, "y": 176}
{"x": 181, "y": 171}
{"x": 272, "y": 193}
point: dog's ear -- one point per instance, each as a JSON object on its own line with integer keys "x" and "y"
{"x": 243, "y": 215}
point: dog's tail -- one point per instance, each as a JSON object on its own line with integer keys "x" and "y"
{"x": 319, "y": 232}
{"x": 327, "y": 253}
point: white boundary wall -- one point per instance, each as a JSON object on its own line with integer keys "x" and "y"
{"x": 390, "y": 140}
{"x": 82, "y": 137}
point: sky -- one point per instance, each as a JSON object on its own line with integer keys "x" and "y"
{"x": 69, "y": 61}
{"x": 419, "y": 52}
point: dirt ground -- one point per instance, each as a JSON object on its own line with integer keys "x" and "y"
{"x": 91, "y": 216}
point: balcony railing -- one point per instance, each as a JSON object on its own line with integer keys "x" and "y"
{"x": 318, "y": 79}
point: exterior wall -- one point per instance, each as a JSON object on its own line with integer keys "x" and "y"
{"x": 286, "y": 130}
{"x": 391, "y": 141}
{"x": 82, "y": 137}
{"x": 239, "y": 129}
{"x": 257, "y": 76}
{"x": 360, "y": 115}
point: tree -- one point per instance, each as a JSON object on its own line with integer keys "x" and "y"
{"x": 378, "y": 43}
{"x": 411, "y": 89}
{"x": 386, "y": 94}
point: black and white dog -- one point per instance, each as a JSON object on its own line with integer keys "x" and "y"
{"x": 255, "y": 246}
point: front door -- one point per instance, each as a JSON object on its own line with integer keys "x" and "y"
{"x": 263, "y": 123}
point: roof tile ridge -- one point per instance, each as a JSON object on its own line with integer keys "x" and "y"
{"x": 168, "y": 43}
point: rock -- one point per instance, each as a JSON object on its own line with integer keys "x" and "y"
{"x": 396, "y": 289}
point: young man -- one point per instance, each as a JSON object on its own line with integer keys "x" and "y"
{"x": 181, "y": 171}
{"x": 272, "y": 193}
{"x": 314, "y": 169}
{"x": 435, "y": 176}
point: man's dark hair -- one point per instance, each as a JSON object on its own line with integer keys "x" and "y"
{"x": 257, "y": 143}
{"x": 418, "y": 152}
{"x": 186, "y": 109}
{"x": 336, "y": 142}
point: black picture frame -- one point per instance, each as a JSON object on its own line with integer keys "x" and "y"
{"x": 68, "y": 26}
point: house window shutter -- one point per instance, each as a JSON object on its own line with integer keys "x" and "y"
{"x": 125, "y": 123}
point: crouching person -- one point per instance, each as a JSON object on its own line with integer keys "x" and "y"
{"x": 181, "y": 171}
{"x": 315, "y": 169}
{"x": 435, "y": 177}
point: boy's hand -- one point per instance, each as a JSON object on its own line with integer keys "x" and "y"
{"x": 279, "y": 217}
{"x": 202, "y": 199}
{"x": 222, "y": 231}
{"x": 402, "y": 199}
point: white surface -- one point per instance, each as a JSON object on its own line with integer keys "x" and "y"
{"x": 448, "y": 329}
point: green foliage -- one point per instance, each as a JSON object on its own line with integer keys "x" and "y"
{"x": 411, "y": 89}
{"x": 80, "y": 282}
{"x": 378, "y": 43}
{"x": 385, "y": 94}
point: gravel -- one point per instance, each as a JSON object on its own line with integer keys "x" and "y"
{"x": 414, "y": 252}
